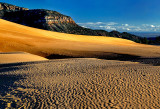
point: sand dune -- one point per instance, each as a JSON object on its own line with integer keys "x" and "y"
{"x": 14, "y": 57}
{"x": 75, "y": 83}
{"x": 15, "y": 37}
{"x": 80, "y": 83}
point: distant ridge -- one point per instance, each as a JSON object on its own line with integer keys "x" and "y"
{"x": 55, "y": 21}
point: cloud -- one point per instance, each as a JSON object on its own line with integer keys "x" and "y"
{"x": 91, "y": 23}
{"x": 152, "y": 26}
{"x": 109, "y": 26}
{"x": 128, "y": 29}
{"x": 99, "y": 25}
{"x": 111, "y": 23}
{"x": 125, "y": 24}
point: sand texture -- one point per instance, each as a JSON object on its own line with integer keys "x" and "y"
{"x": 80, "y": 83}
{"x": 115, "y": 73}
{"x": 15, "y": 37}
{"x": 15, "y": 57}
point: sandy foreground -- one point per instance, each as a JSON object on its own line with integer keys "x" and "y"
{"x": 80, "y": 83}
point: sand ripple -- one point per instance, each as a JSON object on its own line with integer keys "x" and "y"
{"x": 80, "y": 83}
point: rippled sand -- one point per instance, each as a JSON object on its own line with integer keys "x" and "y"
{"x": 75, "y": 83}
{"x": 80, "y": 83}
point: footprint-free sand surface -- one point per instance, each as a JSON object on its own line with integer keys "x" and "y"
{"x": 16, "y": 57}
{"x": 130, "y": 79}
{"x": 80, "y": 83}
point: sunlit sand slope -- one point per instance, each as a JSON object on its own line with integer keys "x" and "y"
{"x": 15, "y": 37}
{"x": 80, "y": 83}
{"x": 14, "y": 57}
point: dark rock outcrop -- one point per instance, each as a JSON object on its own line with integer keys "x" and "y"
{"x": 4, "y": 7}
{"x": 50, "y": 20}
{"x": 40, "y": 18}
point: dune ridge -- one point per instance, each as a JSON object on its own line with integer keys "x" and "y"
{"x": 75, "y": 82}
{"x": 16, "y": 37}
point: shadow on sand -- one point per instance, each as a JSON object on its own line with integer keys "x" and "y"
{"x": 7, "y": 81}
{"x": 6, "y": 85}
{"x": 113, "y": 56}
{"x": 132, "y": 58}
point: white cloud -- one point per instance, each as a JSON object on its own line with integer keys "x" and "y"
{"x": 109, "y": 26}
{"x": 128, "y": 29}
{"x": 111, "y": 23}
{"x": 99, "y": 23}
{"x": 152, "y": 26}
{"x": 125, "y": 24}
{"x": 84, "y": 26}
{"x": 101, "y": 26}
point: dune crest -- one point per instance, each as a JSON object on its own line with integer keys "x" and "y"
{"x": 16, "y": 37}
{"x": 75, "y": 83}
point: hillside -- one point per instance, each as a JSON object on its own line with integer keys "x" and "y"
{"x": 76, "y": 82}
{"x": 41, "y": 69}
{"x": 46, "y": 43}
{"x": 55, "y": 21}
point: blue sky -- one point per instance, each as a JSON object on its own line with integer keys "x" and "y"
{"x": 121, "y": 15}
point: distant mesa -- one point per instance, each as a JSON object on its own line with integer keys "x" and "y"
{"x": 55, "y": 21}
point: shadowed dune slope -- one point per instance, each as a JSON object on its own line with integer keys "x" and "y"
{"x": 15, "y": 37}
{"x": 14, "y": 57}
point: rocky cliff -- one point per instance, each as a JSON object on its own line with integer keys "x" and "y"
{"x": 54, "y": 21}
{"x": 43, "y": 19}
{"x": 4, "y": 7}
{"x": 49, "y": 20}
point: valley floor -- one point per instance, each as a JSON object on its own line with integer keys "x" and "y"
{"x": 80, "y": 83}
